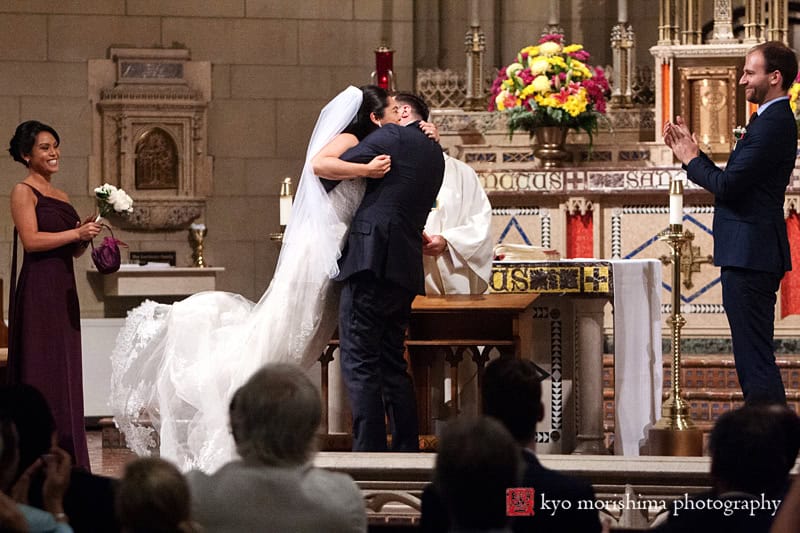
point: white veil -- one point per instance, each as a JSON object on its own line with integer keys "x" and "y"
{"x": 179, "y": 365}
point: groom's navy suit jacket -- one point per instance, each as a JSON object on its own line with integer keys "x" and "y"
{"x": 749, "y": 228}
{"x": 386, "y": 233}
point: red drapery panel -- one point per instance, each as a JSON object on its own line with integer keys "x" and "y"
{"x": 580, "y": 236}
{"x": 790, "y": 286}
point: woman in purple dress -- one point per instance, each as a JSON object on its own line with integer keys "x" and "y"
{"x": 44, "y": 318}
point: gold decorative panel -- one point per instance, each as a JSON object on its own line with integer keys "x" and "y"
{"x": 708, "y": 105}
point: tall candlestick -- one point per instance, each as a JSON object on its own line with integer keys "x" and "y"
{"x": 622, "y": 10}
{"x": 286, "y": 201}
{"x": 675, "y": 202}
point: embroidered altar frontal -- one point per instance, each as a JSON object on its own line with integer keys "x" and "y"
{"x": 552, "y": 277}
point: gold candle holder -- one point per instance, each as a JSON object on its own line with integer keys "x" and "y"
{"x": 675, "y": 433}
{"x": 197, "y": 234}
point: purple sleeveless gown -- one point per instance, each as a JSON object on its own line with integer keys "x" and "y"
{"x": 45, "y": 329}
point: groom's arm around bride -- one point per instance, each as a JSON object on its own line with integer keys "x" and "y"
{"x": 381, "y": 267}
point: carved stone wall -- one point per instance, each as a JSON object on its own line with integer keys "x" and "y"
{"x": 150, "y": 119}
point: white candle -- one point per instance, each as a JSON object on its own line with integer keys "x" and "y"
{"x": 286, "y": 209}
{"x": 676, "y": 202}
{"x": 286, "y": 201}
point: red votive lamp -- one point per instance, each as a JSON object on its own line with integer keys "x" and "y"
{"x": 383, "y": 76}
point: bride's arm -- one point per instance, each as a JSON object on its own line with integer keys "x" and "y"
{"x": 327, "y": 164}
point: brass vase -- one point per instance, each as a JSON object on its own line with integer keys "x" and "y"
{"x": 549, "y": 145}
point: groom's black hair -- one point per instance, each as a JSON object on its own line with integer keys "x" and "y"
{"x": 417, "y": 104}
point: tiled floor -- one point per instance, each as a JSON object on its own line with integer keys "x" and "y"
{"x": 109, "y": 461}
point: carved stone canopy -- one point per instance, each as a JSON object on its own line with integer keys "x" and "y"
{"x": 150, "y": 122}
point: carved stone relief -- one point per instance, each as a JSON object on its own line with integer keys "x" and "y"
{"x": 150, "y": 133}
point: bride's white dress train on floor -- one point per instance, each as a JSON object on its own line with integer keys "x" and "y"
{"x": 178, "y": 365}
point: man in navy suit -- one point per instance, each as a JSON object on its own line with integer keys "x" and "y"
{"x": 750, "y": 241}
{"x": 381, "y": 267}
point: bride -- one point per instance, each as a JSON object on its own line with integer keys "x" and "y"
{"x": 177, "y": 366}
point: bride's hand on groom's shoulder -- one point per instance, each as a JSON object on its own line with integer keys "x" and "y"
{"x": 430, "y": 129}
{"x": 379, "y": 166}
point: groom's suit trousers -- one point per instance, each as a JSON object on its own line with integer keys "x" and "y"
{"x": 374, "y": 315}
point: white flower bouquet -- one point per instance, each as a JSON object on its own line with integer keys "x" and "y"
{"x": 110, "y": 199}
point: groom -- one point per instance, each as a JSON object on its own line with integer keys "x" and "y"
{"x": 381, "y": 267}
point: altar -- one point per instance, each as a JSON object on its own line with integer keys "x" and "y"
{"x": 569, "y": 346}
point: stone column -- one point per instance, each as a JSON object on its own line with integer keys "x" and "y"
{"x": 754, "y": 21}
{"x": 778, "y": 28}
{"x": 589, "y": 376}
{"x": 667, "y": 23}
{"x": 622, "y": 45}
{"x": 475, "y": 47}
{"x": 723, "y": 23}
{"x": 690, "y": 17}
{"x": 553, "y": 18}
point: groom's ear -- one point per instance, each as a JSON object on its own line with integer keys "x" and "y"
{"x": 375, "y": 120}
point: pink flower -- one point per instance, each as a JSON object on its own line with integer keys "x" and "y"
{"x": 580, "y": 55}
{"x": 552, "y": 37}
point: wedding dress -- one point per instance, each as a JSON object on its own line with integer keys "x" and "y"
{"x": 178, "y": 365}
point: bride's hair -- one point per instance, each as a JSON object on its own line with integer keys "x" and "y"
{"x": 375, "y": 100}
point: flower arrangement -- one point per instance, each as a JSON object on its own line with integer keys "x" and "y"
{"x": 794, "y": 95}
{"x": 110, "y": 199}
{"x": 551, "y": 84}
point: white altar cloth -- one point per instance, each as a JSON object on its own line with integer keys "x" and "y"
{"x": 638, "y": 374}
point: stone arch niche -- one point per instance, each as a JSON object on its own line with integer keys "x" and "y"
{"x": 149, "y": 135}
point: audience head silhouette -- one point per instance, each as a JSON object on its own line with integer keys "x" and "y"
{"x": 153, "y": 497}
{"x": 28, "y": 409}
{"x": 275, "y": 416}
{"x": 751, "y": 448}
{"x": 512, "y": 393}
{"x": 477, "y": 461}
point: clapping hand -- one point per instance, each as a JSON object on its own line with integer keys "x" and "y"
{"x": 680, "y": 140}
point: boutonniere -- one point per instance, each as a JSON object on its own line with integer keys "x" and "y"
{"x": 738, "y": 135}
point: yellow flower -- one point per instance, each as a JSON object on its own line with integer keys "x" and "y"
{"x": 541, "y": 84}
{"x": 572, "y": 48}
{"x": 794, "y": 94}
{"x": 558, "y": 62}
{"x": 532, "y": 51}
{"x": 576, "y": 104}
{"x": 549, "y": 48}
{"x": 539, "y": 65}
{"x": 526, "y": 92}
{"x": 581, "y": 69}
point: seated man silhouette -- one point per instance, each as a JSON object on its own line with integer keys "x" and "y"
{"x": 512, "y": 393}
{"x": 274, "y": 418}
{"x": 752, "y": 451}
